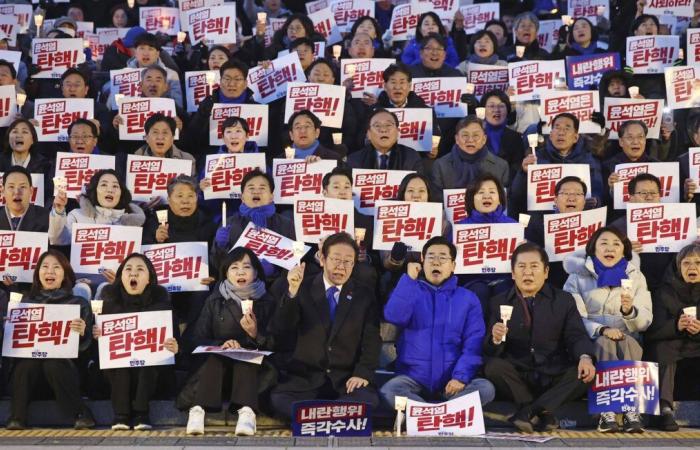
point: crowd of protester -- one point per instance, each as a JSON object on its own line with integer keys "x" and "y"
{"x": 322, "y": 318}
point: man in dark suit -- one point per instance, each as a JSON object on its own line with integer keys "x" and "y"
{"x": 384, "y": 151}
{"x": 547, "y": 358}
{"x": 337, "y": 329}
{"x": 18, "y": 214}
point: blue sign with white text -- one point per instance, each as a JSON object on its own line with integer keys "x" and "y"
{"x": 584, "y": 72}
{"x": 331, "y": 418}
{"x": 625, "y": 386}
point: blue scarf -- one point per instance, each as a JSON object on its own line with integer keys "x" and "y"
{"x": 302, "y": 153}
{"x": 610, "y": 276}
{"x": 490, "y": 60}
{"x": 469, "y": 166}
{"x": 257, "y": 215}
{"x": 233, "y": 100}
{"x": 584, "y": 50}
{"x": 494, "y": 134}
{"x": 497, "y": 216}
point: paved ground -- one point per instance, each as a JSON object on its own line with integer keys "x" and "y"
{"x": 221, "y": 436}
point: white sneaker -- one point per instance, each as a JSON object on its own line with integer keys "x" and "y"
{"x": 245, "y": 425}
{"x": 195, "y": 422}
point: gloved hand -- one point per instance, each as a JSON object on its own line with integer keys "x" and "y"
{"x": 399, "y": 251}
{"x": 599, "y": 118}
{"x": 179, "y": 49}
{"x": 471, "y": 102}
{"x": 88, "y": 53}
{"x": 222, "y": 234}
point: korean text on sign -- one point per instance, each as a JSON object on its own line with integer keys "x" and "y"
{"x": 226, "y": 171}
{"x": 566, "y": 233}
{"x": 370, "y": 185}
{"x": 180, "y": 266}
{"x": 19, "y": 254}
{"x": 40, "y": 331}
{"x": 296, "y": 177}
{"x": 412, "y": 223}
{"x": 331, "y": 418}
{"x": 625, "y": 386}
{"x": 486, "y": 248}
{"x": 662, "y": 227}
{"x": 148, "y": 176}
{"x": 316, "y": 218}
{"x": 254, "y": 115}
{"x": 667, "y": 173}
{"x": 542, "y": 178}
{"x": 98, "y": 247}
{"x": 275, "y": 248}
{"x": 462, "y": 416}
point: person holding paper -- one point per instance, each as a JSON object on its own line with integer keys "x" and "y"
{"x": 257, "y": 206}
{"x": 235, "y": 316}
{"x": 674, "y": 334}
{"x": 429, "y": 308}
{"x": 135, "y": 289}
{"x": 336, "y": 323}
{"x": 547, "y": 358}
{"x": 19, "y": 214}
{"x": 52, "y": 285}
{"x": 611, "y": 294}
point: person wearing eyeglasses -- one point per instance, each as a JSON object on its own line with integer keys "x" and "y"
{"x": 336, "y": 324}
{"x": 304, "y": 130}
{"x": 430, "y": 308}
{"x": 502, "y": 141}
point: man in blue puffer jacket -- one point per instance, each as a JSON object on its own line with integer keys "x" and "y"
{"x": 439, "y": 352}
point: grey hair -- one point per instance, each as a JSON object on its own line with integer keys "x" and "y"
{"x": 527, "y": 15}
{"x": 183, "y": 179}
{"x": 688, "y": 250}
{"x": 154, "y": 67}
{"x": 625, "y": 125}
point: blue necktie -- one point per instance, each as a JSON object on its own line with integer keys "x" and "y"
{"x": 383, "y": 162}
{"x": 15, "y": 222}
{"x": 332, "y": 304}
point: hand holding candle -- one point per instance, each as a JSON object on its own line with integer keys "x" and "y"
{"x": 626, "y": 299}
{"x": 506, "y": 313}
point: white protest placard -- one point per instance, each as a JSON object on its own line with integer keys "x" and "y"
{"x": 41, "y": 331}
{"x": 254, "y": 115}
{"x": 37, "y": 197}
{"x": 531, "y": 79}
{"x": 446, "y": 10}
{"x": 135, "y": 111}
{"x": 370, "y": 185}
{"x": 565, "y": 233}
{"x": 680, "y": 8}
{"x": 454, "y": 204}
{"x": 125, "y": 81}
{"x": 581, "y": 104}
{"x": 273, "y": 247}
{"x": 269, "y": 84}
{"x": 77, "y": 169}
{"x": 239, "y": 354}
{"x": 19, "y": 254}
{"x": 52, "y": 57}
{"x": 187, "y": 5}
{"x": 443, "y": 95}
{"x": 98, "y": 247}
{"x": 415, "y": 127}
{"x": 651, "y": 54}
{"x": 296, "y": 177}
{"x": 147, "y": 176}
{"x": 56, "y": 114}
{"x": 317, "y": 5}
{"x": 459, "y": 417}
{"x": 486, "y": 78}
{"x": 589, "y": 9}
{"x": 476, "y": 16}
{"x": 666, "y": 172}
{"x": 135, "y": 339}
{"x": 84, "y": 28}
{"x": 548, "y": 34}
{"x": 226, "y": 171}
{"x": 541, "y": 179}
{"x": 198, "y": 85}
{"x": 327, "y": 101}
{"x": 8, "y": 105}
{"x": 694, "y": 166}
{"x": 212, "y": 25}
{"x": 487, "y": 247}
{"x": 273, "y": 25}
{"x": 404, "y": 19}
{"x": 316, "y": 218}
{"x": 682, "y": 87}
{"x": 97, "y": 49}
{"x": 22, "y": 12}
{"x": 662, "y": 227}
{"x": 366, "y": 74}
{"x": 346, "y": 12}
{"x": 9, "y": 27}
{"x": 180, "y": 266}
{"x": 412, "y": 223}
{"x": 325, "y": 25}
{"x": 105, "y": 36}
{"x": 11, "y": 56}
{"x": 692, "y": 53}
{"x": 158, "y": 19}
{"x": 619, "y": 110}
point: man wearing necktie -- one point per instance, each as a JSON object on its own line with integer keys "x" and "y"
{"x": 18, "y": 214}
{"x": 336, "y": 324}
{"x": 546, "y": 359}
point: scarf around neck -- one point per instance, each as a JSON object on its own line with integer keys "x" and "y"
{"x": 494, "y": 134}
{"x": 490, "y": 60}
{"x": 469, "y": 165}
{"x": 584, "y": 50}
{"x": 253, "y": 291}
{"x": 496, "y": 216}
{"x": 610, "y": 276}
{"x": 258, "y": 215}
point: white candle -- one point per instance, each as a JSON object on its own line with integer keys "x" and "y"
{"x": 566, "y": 20}
{"x": 436, "y": 141}
{"x": 690, "y": 311}
{"x": 524, "y": 219}
{"x": 519, "y": 51}
{"x": 96, "y": 306}
{"x": 21, "y": 99}
{"x": 38, "y": 20}
{"x": 470, "y": 88}
{"x": 247, "y": 306}
{"x": 118, "y": 99}
{"x": 289, "y": 153}
{"x": 634, "y": 91}
{"x": 337, "y": 138}
{"x": 181, "y": 36}
{"x": 481, "y": 113}
{"x": 533, "y": 140}
{"x": 506, "y": 313}
{"x": 223, "y": 214}
{"x": 360, "y": 234}
{"x": 262, "y": 17}
{"x": 626, "y": 286}
{"x": 337, "y": 49}
{"x": 162, "y": 216}
{"x": 130, "y": 3}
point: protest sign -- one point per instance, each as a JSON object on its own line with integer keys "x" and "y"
{"x": 682, "y": 87}
{"x": 589, "y": 9}
{"x": 326, "y": 101}
{"x": 692, "y": 53}
{"x": 370, "y": 185}
{"x": 346, "y": 12}
{"x": 318, "y": 418}
{"x": 366, "y": 74}
{"x": 411, "y": 223}
{"x": 325, "y": 25}
{"x": 486, "y": 78}
{"x": 8, "y": 105}
{"x": 565, "y": 233}
{"x": 11, "y": 56}
{"x": 225, "y": 171}
{"x": 548, "y": 34}
{"x": 180, "y": 266}
{"x": 443, "y": 95}
{"x": 314, "y": 219}
{"x": 37, "y": 197}
{"x": 19, "y": 254}
{"x": 147, "y": 176}
{"x": 9, "y": 27}
{"x": 542, "y": 178}
{"x": 694, "y": 166}
{"x": 269, "y": 84}
{"x": 41, "y": 331}
{"x": 461, "y": 416}
{"x": 295, "y": 177}
{"x": 188, "y": 5}
{"x": 200, "y": 84}
{"x": 453, "y": 202}
{"x": 619, "y": 110}
{"x": 135, "y": 339}
{"x": 22, "y": 12}
{"x": 157, "y": 19}
{"x": 445, "y": 9}
{"x": 211, "y": 25}
{"x": 667, "y": 173}
{"x": 585, "y": 71}
{"x": 486, "y": 248}
{"x": 651, "y": 54}
{"x": 404, "y": 19}
{"x": 56, "y": 114}
{"x": 662, "y": 227}
{"x": 135, "y": 111}
{"x": 625, "y": 386}
{"x": 52, "y": 57}
{"x": 581, "y": 104}
{"x": 415, "y": 127}
{"x": 254, "y": 115}
{"x": 273, "y": 247}
{"x": 317, "y": 5}
{"x": 77, "y": 169}
{"x": 98, "y": 247}
{"x": 476, "y": 16}
{"x": 126, "y": 82}
{"x": 680, "y": 8}
{"x": 531, "y": 79}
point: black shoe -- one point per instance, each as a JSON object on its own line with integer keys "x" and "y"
{"x": 632, "y": 423}
{"x": 14, "y": 424}
{"x": 142, "y": 423}
{"x": 608, "y": 423}
{"x": 523, "y": 420}
{"x": 84, "y": 421}
{"x": 547, "y": 421}
{"x": 666, "y": 422}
